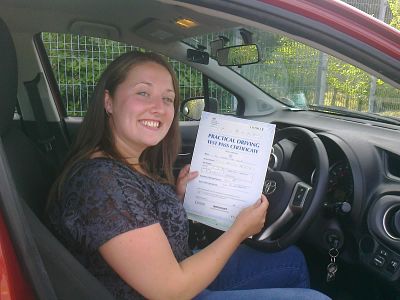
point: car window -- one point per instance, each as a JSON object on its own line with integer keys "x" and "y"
{"x": 78, "y": 61}
{"x": 303, "y": 77}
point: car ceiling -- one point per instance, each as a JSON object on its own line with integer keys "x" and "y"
{"x": 123, "y": 20}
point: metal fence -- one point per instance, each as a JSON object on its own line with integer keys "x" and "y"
{"x": 78, "y": 61}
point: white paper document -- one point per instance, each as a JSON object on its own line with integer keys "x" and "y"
{"x": 231, "y": 156}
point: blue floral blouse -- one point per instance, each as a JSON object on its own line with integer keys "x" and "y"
{"x": 103, "y": 198}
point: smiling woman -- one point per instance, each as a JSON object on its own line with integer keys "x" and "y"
{"x": 140, "y": 110}
{"x": 119, "y": 216}
{"x": 124, "y": 109}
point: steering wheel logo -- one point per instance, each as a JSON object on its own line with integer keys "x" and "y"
{"x": 269, "y": 187}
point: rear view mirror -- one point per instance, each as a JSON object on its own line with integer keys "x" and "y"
{"x": 238, "y": 55}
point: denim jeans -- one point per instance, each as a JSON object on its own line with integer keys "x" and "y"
{"x": 253, "y": 274}
{"x": 261, "y": 294}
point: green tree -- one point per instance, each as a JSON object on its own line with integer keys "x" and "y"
{"x": 395, "y": 9}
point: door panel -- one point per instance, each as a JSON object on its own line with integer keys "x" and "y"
{"x": 72, "y": 124}
{"x": 188, "y": 133}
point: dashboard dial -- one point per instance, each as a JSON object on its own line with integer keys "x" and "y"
{"x": 340, "y": 182}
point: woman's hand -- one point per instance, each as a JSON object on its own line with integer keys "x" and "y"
{"x": 183, "y": 178}
{"x": 251, "y": 219}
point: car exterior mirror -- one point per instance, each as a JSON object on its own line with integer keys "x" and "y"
{"x": 238, "y": 55}
{"x": 192, "y": 108}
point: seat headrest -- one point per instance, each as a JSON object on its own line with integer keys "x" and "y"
{"x": 8, "y": 78}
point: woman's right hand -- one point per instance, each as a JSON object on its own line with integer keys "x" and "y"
{"x": 251, "y": 219}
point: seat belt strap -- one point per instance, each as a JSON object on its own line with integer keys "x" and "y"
{"x": 45, "y": 138}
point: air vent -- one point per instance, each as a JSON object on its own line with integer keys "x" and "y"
{"x": 391, "y": 222}
{"x": 393, "y": 164}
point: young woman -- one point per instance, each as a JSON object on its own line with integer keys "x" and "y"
{"x": 118, "y": 209}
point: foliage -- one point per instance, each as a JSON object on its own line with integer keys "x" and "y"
{"x": 77, "y": 62}
{"x": 395, "y": 9}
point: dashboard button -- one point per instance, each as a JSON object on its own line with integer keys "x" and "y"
{"x": 382, "y": 252}
{"x": 393, "y": 266}
{"x": 300, "y": 194}
{"x": 379, "y": 261}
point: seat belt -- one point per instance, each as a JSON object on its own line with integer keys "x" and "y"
{"x": 44, "y": 135}
{"x": 20, "y": 117}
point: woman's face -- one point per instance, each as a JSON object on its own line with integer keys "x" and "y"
{"x": 141, "y": 109}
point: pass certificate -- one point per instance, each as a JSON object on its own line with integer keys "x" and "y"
{"x": 231, "y": 156}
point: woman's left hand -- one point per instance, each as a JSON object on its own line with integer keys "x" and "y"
{"x": 183, "y": 178}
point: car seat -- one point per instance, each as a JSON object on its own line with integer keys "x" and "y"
{"x": 24, "y": 182}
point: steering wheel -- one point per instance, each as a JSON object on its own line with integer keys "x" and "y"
{"x": 293, "y": 203}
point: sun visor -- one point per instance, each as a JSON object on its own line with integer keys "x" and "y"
{"x": 95, "y": 29}
{"x": 161, "y": 31}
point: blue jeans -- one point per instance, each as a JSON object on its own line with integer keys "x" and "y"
{"x": 261, "y": 294}
{"x": 253, "y": 274}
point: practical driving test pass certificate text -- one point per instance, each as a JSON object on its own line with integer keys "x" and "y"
{"x": 231, "y": 156}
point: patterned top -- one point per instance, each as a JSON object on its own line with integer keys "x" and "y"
{"x": 103, "y": 198}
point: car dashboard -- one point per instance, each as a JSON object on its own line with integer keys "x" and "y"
{"x": 361, "y": 208}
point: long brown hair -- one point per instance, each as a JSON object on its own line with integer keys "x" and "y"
{"x": 95, "y": 134}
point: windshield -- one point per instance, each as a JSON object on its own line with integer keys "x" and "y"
{"x": 303, "y": 77}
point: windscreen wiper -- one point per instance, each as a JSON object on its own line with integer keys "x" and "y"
{"x": 354, "y": 114}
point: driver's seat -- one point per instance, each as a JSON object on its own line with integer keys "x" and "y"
{"x": 52, "y": 270}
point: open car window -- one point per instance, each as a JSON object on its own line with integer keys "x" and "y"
{"x": 78, "y": 61}
{"x": 291, "y": 72}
